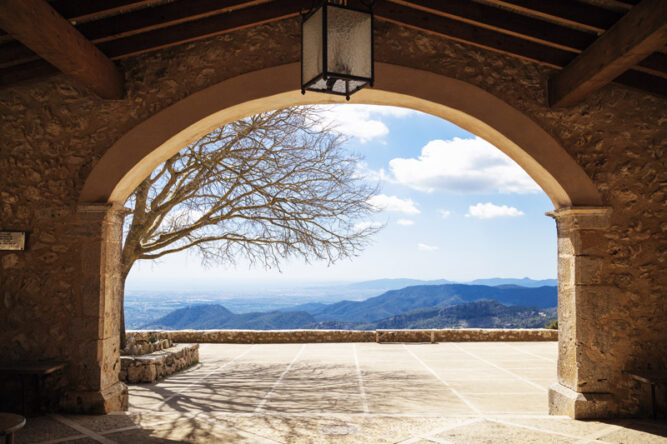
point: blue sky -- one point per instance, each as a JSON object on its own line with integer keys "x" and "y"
{"x": 453, "y": 207}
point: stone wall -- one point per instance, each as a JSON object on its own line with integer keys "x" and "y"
{"x": 139, "y": 343}
{"x": 319, "y": 336}
{"x": 54, "y": 132}
{"x": 151, "y": 367}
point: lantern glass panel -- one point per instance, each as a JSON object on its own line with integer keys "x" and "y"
{"x": 312, "y": 47}
{"x": 349, "y": 40}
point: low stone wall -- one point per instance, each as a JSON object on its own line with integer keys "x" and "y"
{"x": 151, "y": 367}
{"x": 143, "y": 343}
{"x": 319, "y": 336}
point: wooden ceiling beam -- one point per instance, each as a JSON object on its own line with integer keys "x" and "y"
{"x": 566, "y": 12}
{"x": 640, "y": 32}
{"x": 202, "y": 28}
{"x": 160, "y": 16}
{"x": 78, "y": 10}
{"x": 473, "y": 35}
{"x": 132, "y": 22}
{"x": 42, "y": 29}
{"x": 478, "y": 14}
{"x": 506, "y": 21}
{"x": 243, "y": 15}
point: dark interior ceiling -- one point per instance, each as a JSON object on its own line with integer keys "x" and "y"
{"x": 548, "y": 32}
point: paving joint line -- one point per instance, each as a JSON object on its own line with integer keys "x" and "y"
{"x": 445, "y": 383}
{"x": 553, "y": 361}
{"x": 429, "y": 435}
{"x": 527, "y": 381}
{"x": 361, "y": 379}
{"x": 238, "y": 430}
{"x": 260, "y": 406}
{"x": 600, "y": 434}
{"x": 81, "y": 429}
{"x": 66, "y": 439}
{"x": 163, "y": 402}
{"x": 546, "y": 431}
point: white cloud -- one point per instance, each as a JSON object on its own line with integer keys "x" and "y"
{"x": 464, "y": 166}
{"x": 425, "y": 247}
{"x": 361, "y": 226}
{"x": 393, "y": 203}
{"x": 405, "y": 222}
{"x": 444, "y": 213}
{"x": 361, "y": 121}
{"x": 490, "y": 211}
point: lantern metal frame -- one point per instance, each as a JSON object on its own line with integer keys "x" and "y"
{"x": 325, "y": 74}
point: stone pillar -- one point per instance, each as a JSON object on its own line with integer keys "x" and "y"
{"x": 585, "y": 353}
{"x": 95, "y": 363}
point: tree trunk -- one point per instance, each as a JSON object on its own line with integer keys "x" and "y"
{"x": 123, "y": 339}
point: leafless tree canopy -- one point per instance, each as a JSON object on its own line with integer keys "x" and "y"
{"x": 264, "y": 188}
{"x": 268, "y": 187}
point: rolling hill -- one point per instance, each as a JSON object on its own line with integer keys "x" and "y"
{"x": 421, "y": 306}
{"x": 208, "y": 317}
{"x": 421, "y": 296}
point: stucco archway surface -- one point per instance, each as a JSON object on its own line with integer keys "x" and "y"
{"x": 144, "y": 147}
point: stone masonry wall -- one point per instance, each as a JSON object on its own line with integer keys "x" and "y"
{"x": 151, "y": 367}
{"x": 54, "y": 132}
{"x": 320, "y": 336}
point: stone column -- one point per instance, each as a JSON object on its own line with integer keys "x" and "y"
{"x": 585, "y": 353}
{"x": 95, "y": 359}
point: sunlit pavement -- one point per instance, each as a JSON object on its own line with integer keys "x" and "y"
{"x": 357, "y": 393}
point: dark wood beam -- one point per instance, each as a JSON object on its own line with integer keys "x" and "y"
{"x": 79, "y": 10}
{"x": 160, "y": 16}
{"x": 506, "y": 21}
{"x": 566, "y": 12}
{"x": 202, "y": 28}
{"x": 443, "y": 18}
{"x": 181, "y": 11}
{"x": 129, "y": 23}
{"x": 38, "y": 26}
{"x": 640, "y": 32}
{"x": 474, "y": 35}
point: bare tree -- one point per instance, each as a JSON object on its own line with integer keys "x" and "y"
{"x": 265, "y": 188}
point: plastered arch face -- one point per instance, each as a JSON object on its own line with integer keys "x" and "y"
{"x": 135, "y": 155}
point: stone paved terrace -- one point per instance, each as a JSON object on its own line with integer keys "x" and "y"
{"x": 350, "y": 393}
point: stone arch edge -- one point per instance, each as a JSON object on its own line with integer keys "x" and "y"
{"x": 132, "y": 157}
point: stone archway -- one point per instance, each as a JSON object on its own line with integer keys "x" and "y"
{"x": 144, "y": 147}
{"x": 583, "y": 386}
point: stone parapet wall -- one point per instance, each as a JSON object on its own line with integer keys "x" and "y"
{"x": 151, "y": 367}
{"x": 320, "y": 336}
{"x": 141, "y": 343}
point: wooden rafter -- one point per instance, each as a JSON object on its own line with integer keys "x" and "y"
{"x": 566, "y": 11}
{"x": 42, "y": 29}
{"x": 640, "y": 32}
{"x": 134, "y": 27}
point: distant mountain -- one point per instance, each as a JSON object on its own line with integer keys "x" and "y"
{"x": 395, "y": 302}
{"x": 480, "y": 314}
{"x": 525, "y": 282}
{"x": 394, "y": 284}
{"x": 205, "y": 317}
{"x": 420, "y": 306}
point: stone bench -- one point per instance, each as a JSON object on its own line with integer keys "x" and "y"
{"x": 153, "y": 366}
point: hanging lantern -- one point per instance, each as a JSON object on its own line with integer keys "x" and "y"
{"x": 336, "y": 49}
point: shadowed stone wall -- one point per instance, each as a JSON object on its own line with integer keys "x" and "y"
{"x": 54, "y": 132}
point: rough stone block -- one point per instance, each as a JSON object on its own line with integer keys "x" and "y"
{"x": 566, "y": 402}
{"x": 111, "y": 399}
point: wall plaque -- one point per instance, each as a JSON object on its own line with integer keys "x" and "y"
{"x": 12, "y": 240}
